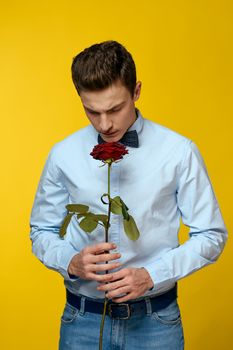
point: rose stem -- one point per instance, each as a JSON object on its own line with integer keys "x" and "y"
{"x": 106, "y": 240}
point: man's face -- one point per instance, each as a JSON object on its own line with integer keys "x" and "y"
{"x": 112, "y": 110}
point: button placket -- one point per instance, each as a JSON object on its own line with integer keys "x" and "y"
{"x": 114, "y": 228}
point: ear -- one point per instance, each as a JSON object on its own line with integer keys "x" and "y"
{"x": 137, "y": 91}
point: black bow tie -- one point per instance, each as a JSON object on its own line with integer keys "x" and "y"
{"x": 130, "y": 139}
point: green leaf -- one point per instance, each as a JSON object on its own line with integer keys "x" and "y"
{"x": 116, "y": 205}
{"x": 79, "y": 216}
{"x": 86, "y": 215}
{"x": 77, "y": 208}
{"x": 119, "y": 207}
{"x": 65, "y": 224}
{"x": 131, "y": 229}
{"x": 95, "y": 217}
{"x": 102, "y": 217}
{"x": 123, "y": 203}
{"x": 90, "y": 215}
{"x": 88, "y": 225}
{"x": 124, "y": 211}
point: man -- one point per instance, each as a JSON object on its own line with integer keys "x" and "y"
{"x": 162, "y": 180}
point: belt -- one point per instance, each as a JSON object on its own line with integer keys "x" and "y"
{"x": 124, "y": 310}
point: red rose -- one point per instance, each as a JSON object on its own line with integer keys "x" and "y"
{"x": 109, "y": 150}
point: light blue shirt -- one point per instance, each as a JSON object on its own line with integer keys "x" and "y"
{"x": 162, "y": 181}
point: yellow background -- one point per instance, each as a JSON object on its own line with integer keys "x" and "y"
{"x": 183, "y": 51}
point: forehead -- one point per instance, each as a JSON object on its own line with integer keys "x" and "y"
{"x": 105, "y": 99}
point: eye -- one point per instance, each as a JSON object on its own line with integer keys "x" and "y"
{"x": 93, "y": 113}
{"x": 115, "y": 110}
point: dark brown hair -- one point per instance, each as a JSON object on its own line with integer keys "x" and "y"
{"x": 100, "y": 65}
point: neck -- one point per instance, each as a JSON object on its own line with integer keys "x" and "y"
{"x": 136, "y": 117}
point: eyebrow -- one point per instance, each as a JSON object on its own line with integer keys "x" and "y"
{"x": 108, "y": 110}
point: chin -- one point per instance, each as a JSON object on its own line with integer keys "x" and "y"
{"x": 111, "y": 139}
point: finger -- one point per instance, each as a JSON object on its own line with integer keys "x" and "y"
{"x": 100, "y": 252}
{"x": 117, "y": 293}
{"x": 105, "y": 257}
{"x": 104, "y": 267}
{"x": 124, "y": 298}
{"x": 118, "y": 275}
{"x": 111, "y": 286}
{"x": 98, "y": 248}
{"x": 102, "y": 278}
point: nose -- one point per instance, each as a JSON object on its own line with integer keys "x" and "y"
{"x": 105, "y": 123}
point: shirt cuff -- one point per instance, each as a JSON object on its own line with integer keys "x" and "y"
{"x": 66, "y": 256}
{"x": 160, "y": 276}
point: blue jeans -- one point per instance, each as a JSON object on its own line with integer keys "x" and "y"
{"x": 160, "y": 330}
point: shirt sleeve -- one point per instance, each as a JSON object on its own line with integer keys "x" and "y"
{"x": 47, "y": 215}
{"x": 199, "y": 211}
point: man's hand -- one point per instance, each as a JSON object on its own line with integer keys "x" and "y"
{"x": 133, "y": 282}
{"x": 84, "y": 264}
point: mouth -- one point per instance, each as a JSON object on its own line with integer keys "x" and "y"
{"x": 109, "y": 134}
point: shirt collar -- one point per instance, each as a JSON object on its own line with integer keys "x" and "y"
{"x": 138, "y": 124}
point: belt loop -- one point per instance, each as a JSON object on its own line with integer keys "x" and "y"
{"x": 82, "y": 306}
{"x": 148, "y": 306}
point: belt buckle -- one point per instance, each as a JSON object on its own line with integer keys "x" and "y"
{"x": 111, "y": 311}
